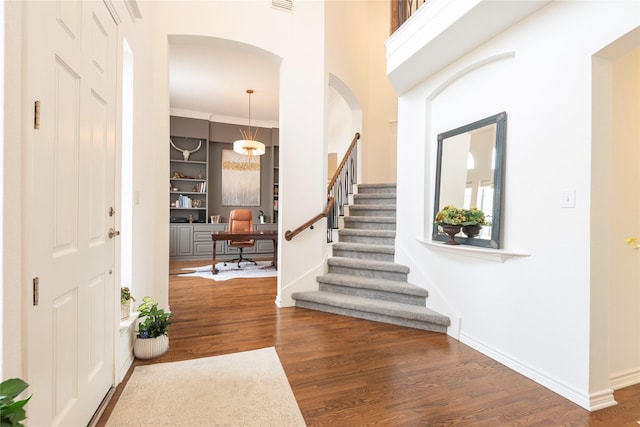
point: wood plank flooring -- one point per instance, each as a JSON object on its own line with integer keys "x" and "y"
{"x": 351, "y": 372}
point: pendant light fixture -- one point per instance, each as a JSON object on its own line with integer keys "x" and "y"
{"x": 249, "y": 145}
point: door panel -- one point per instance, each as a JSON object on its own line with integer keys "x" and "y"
{"x": 71, "y": 57}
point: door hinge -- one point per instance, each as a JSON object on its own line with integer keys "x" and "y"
{"x": 36, "y": 115}
{"x": 36, "y": 290}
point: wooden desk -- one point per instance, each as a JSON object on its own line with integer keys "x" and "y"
{"x": 256, "y": 235}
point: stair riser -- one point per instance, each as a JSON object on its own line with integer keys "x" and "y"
{"x": 363, "y": 225}
{"x": 369, "y": 189}
{"x": 365, "y": 210}
{"x": 377, "y": 256}
{"x": 374, "y": 294}
{"x": 377, "y": 201}
{"x": 360, "y": 272}
{"x": 416, "y": 324}
{"x": 349, "y": 238}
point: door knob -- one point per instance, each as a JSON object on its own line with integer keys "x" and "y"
{"x": 113, "y": 233}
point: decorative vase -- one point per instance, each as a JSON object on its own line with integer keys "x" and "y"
{"x": 148, "y": 348}
{"x": 471, "y": 230}
{"x": 451, "y": 230}
{"x": 125, "y": 310}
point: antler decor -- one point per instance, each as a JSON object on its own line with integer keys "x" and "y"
{"x": 185, "y": 153}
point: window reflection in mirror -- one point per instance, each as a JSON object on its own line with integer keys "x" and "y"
{"x": 469, "y": 174}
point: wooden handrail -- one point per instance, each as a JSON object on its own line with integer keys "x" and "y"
{"x": 354, "y": 141}
{"x": 288, "y": 235}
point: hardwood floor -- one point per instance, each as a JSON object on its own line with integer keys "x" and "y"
{"x": 351, "y": 372}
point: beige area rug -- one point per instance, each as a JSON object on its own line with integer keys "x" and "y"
{"x": 247, "y": 270}
{"x": 241, "y": 389}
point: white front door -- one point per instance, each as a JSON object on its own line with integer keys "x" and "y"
{"x": 70, "y": 69}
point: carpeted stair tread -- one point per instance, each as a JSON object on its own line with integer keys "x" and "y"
{"x": 372, "y": 283}
{"x": 381, "y": 207}
{"x": 376, "y": 188}
{"x": 367, "y": 264}
{"x": 369, "y": 222}
{"x": 372, "y": 198}
{"x": 367, "y": 233}
{"x": 371, "y": 219}
{"x": 372, "y": 306}
{"x": 364, "y": 247}
{"x": 361, "y": 250}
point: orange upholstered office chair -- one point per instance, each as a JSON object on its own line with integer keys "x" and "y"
{"x": 241, "y": 220}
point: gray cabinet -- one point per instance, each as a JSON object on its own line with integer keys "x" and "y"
{"x": 184, "y": 240}
{"x": 202, "y": 243}
{"x": 193, "y": 241}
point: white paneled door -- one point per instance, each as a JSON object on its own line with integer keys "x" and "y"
{"x": 69, "y": 154}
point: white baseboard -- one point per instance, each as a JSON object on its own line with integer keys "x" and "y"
{"x": 625, "y": 379}
{"x": 591, "y": 402}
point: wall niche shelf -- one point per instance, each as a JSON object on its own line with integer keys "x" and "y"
{"x": 497, "y": 255}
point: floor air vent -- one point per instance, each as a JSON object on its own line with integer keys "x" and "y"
{"x": 282, "y": 5}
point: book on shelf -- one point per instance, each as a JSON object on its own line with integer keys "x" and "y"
{"x": 183, "y": 202}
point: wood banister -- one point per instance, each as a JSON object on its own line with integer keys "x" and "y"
{"x": 288, "y": 235}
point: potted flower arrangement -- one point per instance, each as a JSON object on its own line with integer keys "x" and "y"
{"x": 474, "y": 219}
{"x": 450, "y": 219}
{"x": 125, "y": 302}
{"x": 151, "y": 339}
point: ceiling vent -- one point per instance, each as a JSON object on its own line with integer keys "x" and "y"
{"x": 282, "y": 5}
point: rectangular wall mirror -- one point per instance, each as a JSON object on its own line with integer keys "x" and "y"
{"x": 469, "y": 173}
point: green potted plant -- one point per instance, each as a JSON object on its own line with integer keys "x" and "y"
{"x": 450, "y": 219}
{"x": 125, "y": 302}
{"x": 12, "y": 411}
{"x": 151, "y": 339}
{"x": 262, "y": 217}
{"x": 474, "y": 219}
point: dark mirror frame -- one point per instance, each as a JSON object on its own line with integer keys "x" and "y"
{"x": 500, "y": 120}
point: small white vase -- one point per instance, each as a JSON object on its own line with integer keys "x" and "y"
{"x": 148, "y": 348}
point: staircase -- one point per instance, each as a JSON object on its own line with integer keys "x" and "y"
{"x": 363, "y": 280}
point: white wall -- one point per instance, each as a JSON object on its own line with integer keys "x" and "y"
{"x": 625, "y": 274}
{"x": 532, "y": 313}
{"x": 355, "y": 54}
{"x": 339, "y": 124}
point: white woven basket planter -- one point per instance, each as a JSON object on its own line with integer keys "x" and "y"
{"x": 148, "y": 348}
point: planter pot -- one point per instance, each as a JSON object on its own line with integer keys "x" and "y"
{"x": 125, "y": 310}
{"x": 148, "y": 348}
{"x": 451, "y": 230}
{"x": 471, "y": 230}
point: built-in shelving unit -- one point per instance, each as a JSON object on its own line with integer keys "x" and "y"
{"x": 188, "y": 183}
{"x": 195, "y": 191}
